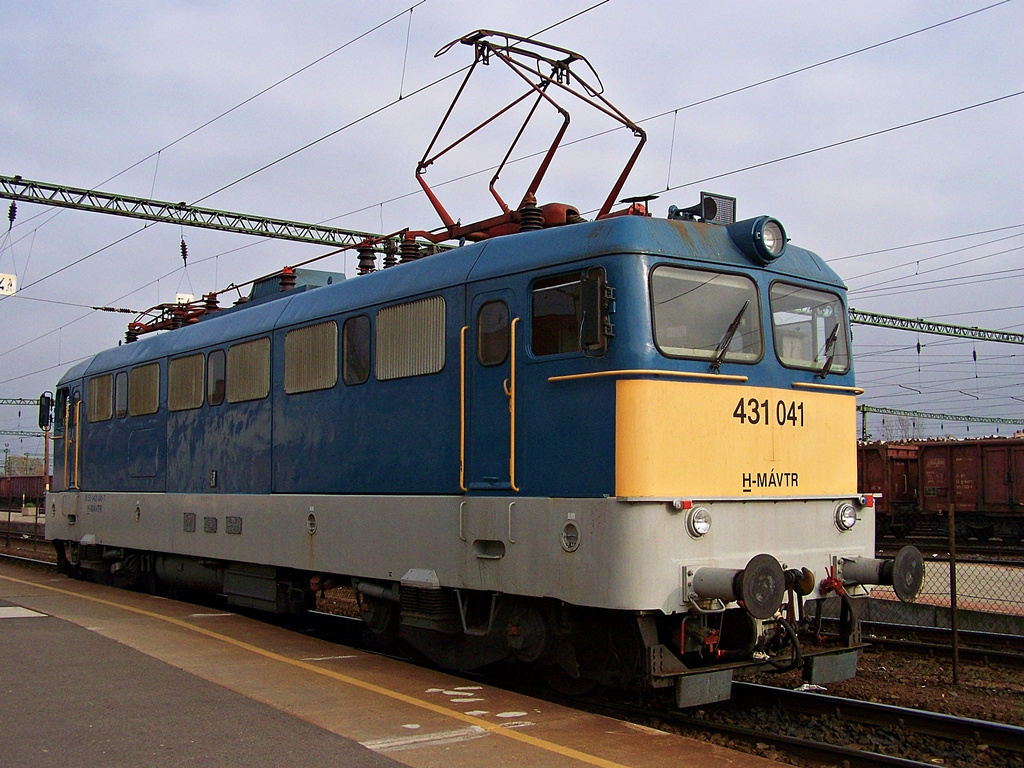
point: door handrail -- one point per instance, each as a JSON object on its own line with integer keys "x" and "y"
{"x": 78, "y": 438}
{"x": 511, "y": 392}
{"x": 462, "y": 409}
{"x": 67, "y": 443}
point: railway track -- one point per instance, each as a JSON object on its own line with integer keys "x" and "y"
{"x": 12, "y": 558}
{"x": 829, "y": 730}
{"x": 981, "y": 646}
{"x": 20, "y": 530}
{"x": 1000, "y": 552}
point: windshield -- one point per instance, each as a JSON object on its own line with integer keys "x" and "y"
{"x": 706, "y": 315}
{"x": 809, "y": 329}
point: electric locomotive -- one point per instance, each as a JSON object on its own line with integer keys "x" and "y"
{"x": 622, "y": 449}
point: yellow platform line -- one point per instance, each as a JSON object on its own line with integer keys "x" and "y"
{"x": 347, "y": 679}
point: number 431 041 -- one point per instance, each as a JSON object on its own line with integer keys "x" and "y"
{"x": 754, "y": 411}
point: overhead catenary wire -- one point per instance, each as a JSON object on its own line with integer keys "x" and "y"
{"x": 925, "y": 242}
{"x": 850, "y": 140}
{"x": 294, "y": 152}
{"x": 335, "y": 132}
{"x": 239, "y": 105}
{"x": 921, "y": 260}
{"x": 676, "y": 110}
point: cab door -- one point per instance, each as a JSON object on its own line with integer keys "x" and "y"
{"x": 67, "y": 429}
{"x": 489, "y": 353}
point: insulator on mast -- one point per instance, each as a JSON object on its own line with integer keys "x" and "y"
{"x": 12, "y": 214}
{"x": 184, "y": 252}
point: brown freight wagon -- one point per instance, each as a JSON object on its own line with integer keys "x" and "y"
{"x": 984, "y": 479}
{"x": 31, "y": 488}
{"x": 889, "y": 471}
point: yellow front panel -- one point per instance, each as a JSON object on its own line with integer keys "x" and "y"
{"x": 687, "y": 439}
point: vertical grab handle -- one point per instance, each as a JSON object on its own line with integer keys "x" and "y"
{"x": 511, "y": 392}
{"x": 78, "y": 437}
{"x": 67, "y": 438}
{"x": 462, "y": 409}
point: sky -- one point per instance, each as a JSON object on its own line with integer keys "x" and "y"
{"x": 885, "y": 136}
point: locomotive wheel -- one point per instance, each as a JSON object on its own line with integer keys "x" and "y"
{"x": 379, "y": 615}
{"x": 562, "y": 683}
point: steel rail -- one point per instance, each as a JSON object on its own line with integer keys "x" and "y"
{"x": 936, "y": 724}
{"x": 27, "y": 560}
{"x": 982, "y": 655}
{"x": 809, "y": 749}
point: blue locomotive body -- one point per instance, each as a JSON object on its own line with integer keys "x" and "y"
{"x": 496, "y": 446}
{"x": 402, "y": 435}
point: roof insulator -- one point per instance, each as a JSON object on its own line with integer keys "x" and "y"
{"x": 287, "y": 279}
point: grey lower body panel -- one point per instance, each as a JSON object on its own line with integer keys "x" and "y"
{"x": 604, "y": 553}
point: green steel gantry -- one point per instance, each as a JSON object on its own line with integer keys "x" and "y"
{"x": 866, "y": 409}
{"x": 17, "y": 188}
{"x": 937, "y": 329}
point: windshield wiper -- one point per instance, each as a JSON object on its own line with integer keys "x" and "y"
{"x": 723, "y": 345}
{"x": 830, "y": 351}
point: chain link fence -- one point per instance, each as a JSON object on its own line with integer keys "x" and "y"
{"x": 989, "y": 599}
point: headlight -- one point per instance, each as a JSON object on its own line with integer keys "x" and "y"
{"x": 698, "y": 522}
{"x": 762, "y": 239}
{"x": 773, "y": 237}
{"x": 846, "y": 516}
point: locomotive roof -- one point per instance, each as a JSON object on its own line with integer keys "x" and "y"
{"x": 512, "y": 254}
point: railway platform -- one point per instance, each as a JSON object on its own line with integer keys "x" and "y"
{"x": 98, "y": 676}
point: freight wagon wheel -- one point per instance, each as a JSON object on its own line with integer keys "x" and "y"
{"x": 981, "y": 532}
{"x": 898, "y": 531}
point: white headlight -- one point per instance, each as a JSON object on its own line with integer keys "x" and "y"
{"x": 846, "y": 516}
{"x": 698, "y": 522}
{"x": 774, "y": 239}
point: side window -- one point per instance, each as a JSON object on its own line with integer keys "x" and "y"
{"x": 311, "y": 358}
{"x": 410, "y": 339}
{"x": 556, "y": 315}
{"x": 492, "y": 333}
{"x": 60, "y": 409}
{"x": 355, "y": 350}
{"x": 249, "y": 370}
{"x": 215, "y": 378}
{"x": 101, "y": 398}
{"x": 144, "y": 390}
{"x": 185, "y": 383}
{"x": 121, "y": 394}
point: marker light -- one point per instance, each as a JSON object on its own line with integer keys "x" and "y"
{"x": 762, "y": 239}
{"x": 846, "y": 516}
{"x": 698, "y": 522}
